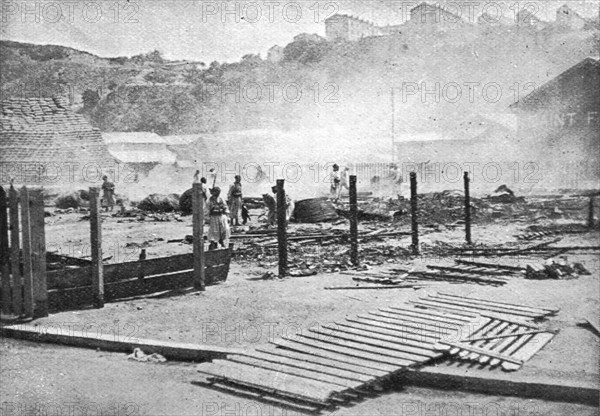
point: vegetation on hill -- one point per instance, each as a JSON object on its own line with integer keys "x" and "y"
{"x": 317, "y": 83}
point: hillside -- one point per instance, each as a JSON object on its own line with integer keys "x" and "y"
{"x": 345, "y": 86}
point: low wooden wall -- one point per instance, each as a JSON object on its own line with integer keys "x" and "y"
{"x": 73, "y": 289}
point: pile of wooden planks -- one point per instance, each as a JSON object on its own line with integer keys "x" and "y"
{"x": 341, "y": 363}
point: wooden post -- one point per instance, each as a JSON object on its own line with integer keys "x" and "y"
{"x": 281, "y": 229}
{"x": 4, "y": 257}
{"x": 38, "y": 245}
{"x": 198, "y": 226}
{"x": 15, "y": 252}
{"x": 413, "y": 211}
{"x": 467, "y": 209}
{"x": 353, "y": 222}
{"x": 590, "y": 221}
{"x": 96, "y": 247}
{"x": 26, "y": 244}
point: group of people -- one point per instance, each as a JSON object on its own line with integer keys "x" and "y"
{"x": 223, "y": 214}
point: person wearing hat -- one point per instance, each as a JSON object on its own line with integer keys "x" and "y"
{"x": 335, "y": 183}
{"x": 218, "y": 224}
{"x": 108, "y": 194}
{"x": 234, "y": 198}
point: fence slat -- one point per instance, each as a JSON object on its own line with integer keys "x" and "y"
{"x": 15, "y": 252}
{"x": 198, "y": 231}
{"x": 38, "y": 244}
{"x": 96, "y": 242}
{"x": 26, "y": 244}
{"x": 4, "y": 257}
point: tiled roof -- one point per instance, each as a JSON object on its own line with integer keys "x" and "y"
{"x": 42, "y": 130}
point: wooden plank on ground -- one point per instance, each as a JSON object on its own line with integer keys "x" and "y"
{"x": 408, "y": 332}
{"x": 338, "y": 354}
{"x": 338, "y": 363}
{"x": 26, "y": 252}
{"x": 305, "y": 365}
{"x": 501, "y": 344}
{"x": 496, "y": 303}
{"x": 353, "y": 349}
{"x": 482, "y": 351}
{"x": 412, "y": 314}
{"x": 482, "y": 308}
{"x": 372, "y": 344}
{"x": 528, "y": 350}
{"x": 423, "y": 325}
{"x": 15, "y": 253}
{"x": 435, "y": 313}
{"x": 377, "y": 331}
{"x": 294, "y": 370}
{"x": 439, "y": 306}
{"x": 421, "y": 348}
{"x": 477, "y": 303}
{"x": 287, "y": 385}
{"x": 429, "y": 320}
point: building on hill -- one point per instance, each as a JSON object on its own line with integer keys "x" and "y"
{"x": 141, "y": 150}
{"x": 349, "y": 28}
{"x": 568, "y": 18}
{"x": 435, "y": 17}
{"x": 275, "y": 54}
{"x": 42, "y": 141}
{"x": 561, "y": 119}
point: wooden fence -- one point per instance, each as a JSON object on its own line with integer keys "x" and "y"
{"x": 28, "y": 290}
{"x": 23, "y": 253}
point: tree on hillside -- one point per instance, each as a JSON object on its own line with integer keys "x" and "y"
{"x": 305, "y": 51}
{"x": 159, "y": 76}
{"x": 90, "y": 99}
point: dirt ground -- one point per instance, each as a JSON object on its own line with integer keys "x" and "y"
{"x": 247, "y": 311}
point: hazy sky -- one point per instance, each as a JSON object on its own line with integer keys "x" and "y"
{"x": 214, "y": 30}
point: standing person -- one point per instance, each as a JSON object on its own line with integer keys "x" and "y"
{"x": 234, "y": 197}
{"x": 335, "y": 182}
{"x": 108, "y": 196}
{"x": 345, "y": 180}
{"x": 289, "y": 204}
{"x": 271, "y": 205}
{"x": 218, "y": 225}
{"x": 197, "y": 177}
{"x": 205, "y": 197}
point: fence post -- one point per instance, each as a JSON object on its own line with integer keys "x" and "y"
{"x": 26, "y": 244}
{"x": 198, "y": 232}
{"x": 15, "y": 252}
{"x": 353, "y": 222}
{"x": 96, "y": 242}
{"x": 590, "y": 221}
{"x": 281, "y": 229}
{"x": 467, "y": 209}
{"x": 4, "y": 257}
{"x": 38, "y": 245}
{"x": 413, "y": 211}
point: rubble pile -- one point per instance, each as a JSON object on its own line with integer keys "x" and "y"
{"x": 555, "y": 269}
{"x": 73, "y": 199}
{"x": 159, "y": 203}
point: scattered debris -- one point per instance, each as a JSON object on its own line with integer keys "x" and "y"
{"x": 160, "y": 203}
{"x": 555, "y": 269}
{"x": 139, "y": 355}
